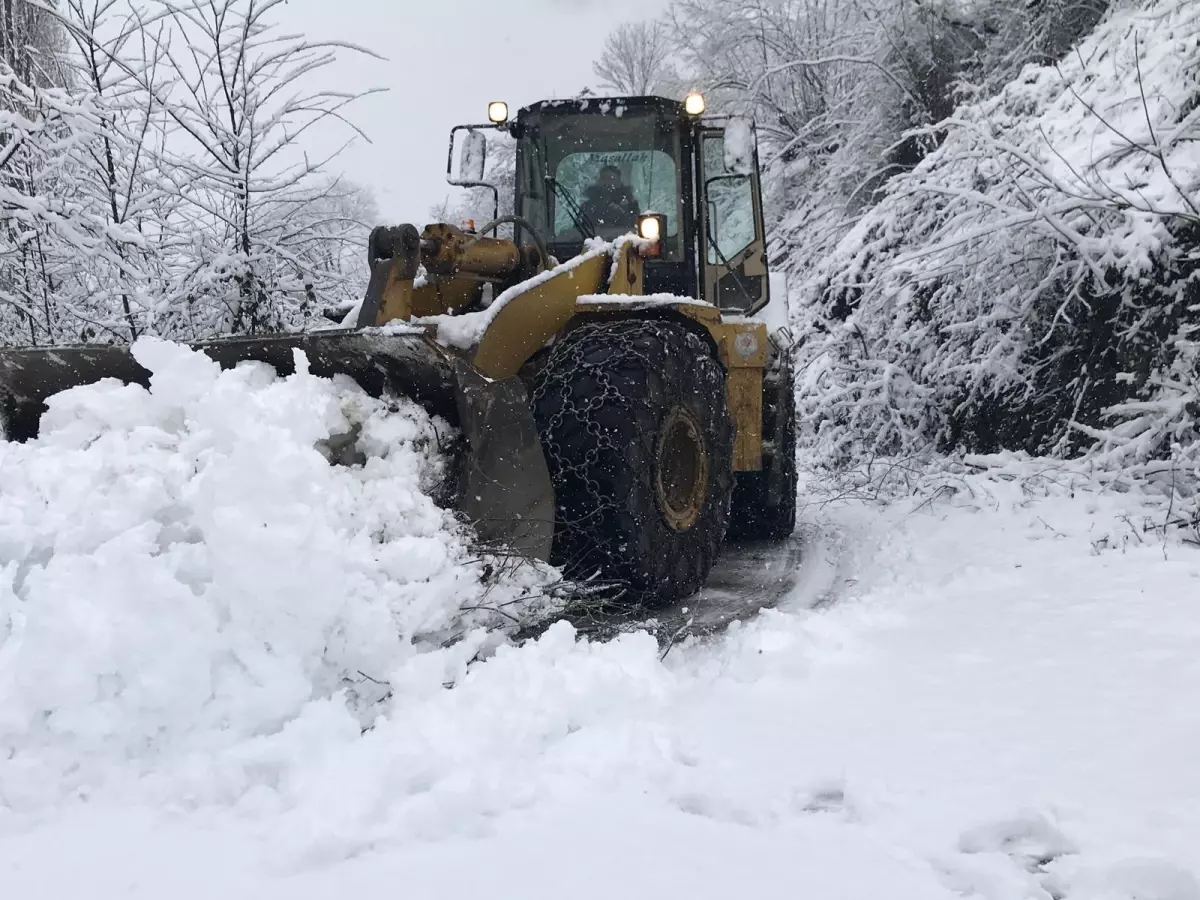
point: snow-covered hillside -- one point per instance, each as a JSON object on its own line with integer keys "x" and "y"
{"x": 1033, "y": 273}
{"x": 998, "y": 704}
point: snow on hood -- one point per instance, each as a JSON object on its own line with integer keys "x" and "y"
{"x": 181, "y": 568}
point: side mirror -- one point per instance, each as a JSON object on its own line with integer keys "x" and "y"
{"x": 472, "y": 158}
{"x": 472, "y": 161}
{"x": 739, "y": 146}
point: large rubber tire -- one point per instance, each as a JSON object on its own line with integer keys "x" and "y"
{"x": 756, "y": 515}
{"x": 634, "y": 421}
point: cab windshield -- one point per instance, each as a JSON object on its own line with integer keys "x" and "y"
{"x": 592, "y": 174}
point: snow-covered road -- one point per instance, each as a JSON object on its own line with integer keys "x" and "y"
{"x": 993, "y": 708}
{"x": 999, "y": 702}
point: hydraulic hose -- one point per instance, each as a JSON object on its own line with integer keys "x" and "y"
{"x": 528, "y": 226}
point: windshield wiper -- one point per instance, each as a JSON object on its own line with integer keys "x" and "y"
{"x": 712, "y": 241}
{"x": 582, "y": 222}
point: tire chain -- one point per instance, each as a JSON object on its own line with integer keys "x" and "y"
{"x": 568, "y": 364}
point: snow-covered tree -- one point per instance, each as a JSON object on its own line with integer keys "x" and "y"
{"x": 116, "y": 173}
{"x": 835, "y": 87}
{"x": 34, "y": 120}
{"x": 636, "y": 60}
{"x": 163, "y": 186}
{"x": 1014, "y": 33}
{"x": 239, "y": 97}
{"x": 830, "y": 93}
{"x": 46, "y": 226}
{"x": 32, "y": 42}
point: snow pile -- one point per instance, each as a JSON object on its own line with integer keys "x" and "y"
{"x": 1034, "y": 271}
{"x": 183, "y": 570}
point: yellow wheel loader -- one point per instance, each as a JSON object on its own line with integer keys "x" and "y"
{"x": 622, "y": 406}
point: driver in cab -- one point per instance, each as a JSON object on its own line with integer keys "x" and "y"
{"x": 609, "y": 202}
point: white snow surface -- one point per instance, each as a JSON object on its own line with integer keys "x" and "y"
{"x": 997, "y": 703}
{"x": 188, "y": 587}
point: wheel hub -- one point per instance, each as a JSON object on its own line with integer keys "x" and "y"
{"x": 681, "y": 469}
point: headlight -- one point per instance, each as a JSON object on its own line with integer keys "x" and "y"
{"x": 498, "y": 112}
{"x": 650, "y": 228}
{"x": 694, "y": 104}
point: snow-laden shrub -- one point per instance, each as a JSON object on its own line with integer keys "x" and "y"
{"x": 1032, "y": 273}
{"x": 1014, "y": 33}
{"x": 182, "y": 569}
{"x": 1155, "y": 437}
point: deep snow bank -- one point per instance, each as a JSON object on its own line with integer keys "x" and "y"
{"x": 182, "y": 571}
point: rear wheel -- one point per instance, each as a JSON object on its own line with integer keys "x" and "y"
{"x": 635, "y": 425}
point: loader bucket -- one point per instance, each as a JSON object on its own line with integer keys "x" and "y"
{"x": 504, "y": 486}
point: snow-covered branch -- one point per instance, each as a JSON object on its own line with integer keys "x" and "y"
{"x": 163, "y": 186}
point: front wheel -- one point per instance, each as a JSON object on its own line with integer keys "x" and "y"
{"x": 635, "y": 424}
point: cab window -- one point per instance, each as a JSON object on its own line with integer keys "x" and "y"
{"x": 591, "y": 167}
{"x": 611, "y": 189}
{"x": 730, "y": 205}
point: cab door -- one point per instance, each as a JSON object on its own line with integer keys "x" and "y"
{"x": 733, "y": 249}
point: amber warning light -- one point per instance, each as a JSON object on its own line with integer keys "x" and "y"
{"x": 651, "y": 227}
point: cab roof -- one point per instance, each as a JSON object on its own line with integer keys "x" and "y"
{"x": 604, "y": 106}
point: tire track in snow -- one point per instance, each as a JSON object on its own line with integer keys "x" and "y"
{"x": 806, "y": 571}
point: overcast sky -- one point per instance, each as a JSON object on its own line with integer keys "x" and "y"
{"x": 445, "y": 59}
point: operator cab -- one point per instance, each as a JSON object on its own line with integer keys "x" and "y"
{"x": 590, "y": 168}
{"x": 599, "y": 167}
